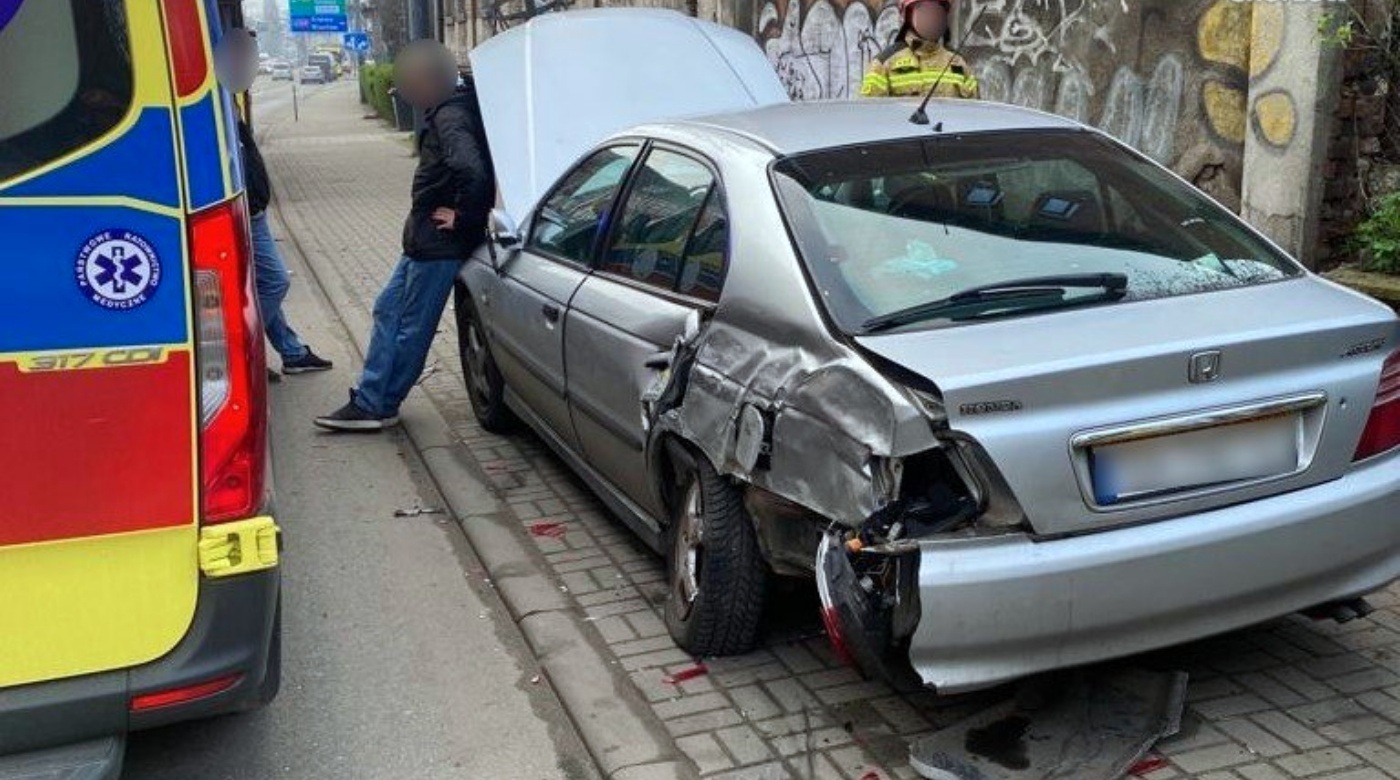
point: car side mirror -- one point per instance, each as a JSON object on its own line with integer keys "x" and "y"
{"x": 502, "y": 232}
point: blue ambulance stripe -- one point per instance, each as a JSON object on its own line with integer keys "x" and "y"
{"x": 139, "y": 164}
{"x": 203, "y": 160}
{"x": 42, "y": 307}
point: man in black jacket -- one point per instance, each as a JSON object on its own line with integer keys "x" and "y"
{"x": 454, "y": 189}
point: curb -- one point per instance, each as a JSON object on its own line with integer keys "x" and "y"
{"x": 625, "y": 738}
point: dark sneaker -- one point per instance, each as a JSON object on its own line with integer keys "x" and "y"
{"x": 273, "y": 377}
{"x": 306, "y": 364}
{"x": 351, "y": 417}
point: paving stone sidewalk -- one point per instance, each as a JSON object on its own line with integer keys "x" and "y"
{"x": 1293, "y": 699}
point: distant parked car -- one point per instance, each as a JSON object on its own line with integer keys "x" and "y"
{"x": 311, "y": 74}
{"x": 330, "y": 69}
{"x": 281, "y": 71}
{"x": 1019, "y": 397}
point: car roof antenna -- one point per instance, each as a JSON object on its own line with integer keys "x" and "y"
{"x": 920, "y": 115}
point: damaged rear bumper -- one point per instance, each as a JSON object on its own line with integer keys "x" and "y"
{"x": 999, "y": 608}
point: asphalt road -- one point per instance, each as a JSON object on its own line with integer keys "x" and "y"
{"x": 399, "y": 660}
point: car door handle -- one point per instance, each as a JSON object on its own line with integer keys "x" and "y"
{"x": 551, "y": 312}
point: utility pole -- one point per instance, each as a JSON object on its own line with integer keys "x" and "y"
{"x": 420, "y": 25}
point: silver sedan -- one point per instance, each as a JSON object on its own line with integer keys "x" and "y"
{"x": 1019, "y": 397}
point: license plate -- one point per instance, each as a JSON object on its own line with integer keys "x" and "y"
{"x": 1135, "y": 470}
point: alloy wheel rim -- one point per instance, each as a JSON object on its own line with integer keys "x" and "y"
{"x": 687, "y": 552}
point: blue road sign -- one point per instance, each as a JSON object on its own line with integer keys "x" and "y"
{"x": 357, "y": 42}
{"x": 312, "y": 16}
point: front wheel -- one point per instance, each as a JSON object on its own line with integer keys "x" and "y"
{"x": 716, "y": 574}
{"x": 485, "y": 386}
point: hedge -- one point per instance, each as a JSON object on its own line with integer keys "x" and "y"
{"x": 376, "y": 81}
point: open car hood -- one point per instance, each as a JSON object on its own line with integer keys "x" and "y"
{"x": 559, "y": 85}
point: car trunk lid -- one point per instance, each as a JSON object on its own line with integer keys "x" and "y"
{"x": 1126, "y": 413}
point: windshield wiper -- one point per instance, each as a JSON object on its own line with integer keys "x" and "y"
{"x": 1031, "y": 293}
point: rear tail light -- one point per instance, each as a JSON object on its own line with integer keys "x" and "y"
{"x": 1382, "y": 432}
{"x": 232, "y": 365}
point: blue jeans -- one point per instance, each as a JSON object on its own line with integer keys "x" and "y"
{"x": 406, "y": 316}
{"x": 273, "y": 283}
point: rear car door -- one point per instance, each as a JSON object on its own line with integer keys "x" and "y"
{"x": 664, "y": 260}
{"x": 98, "y": 502}
{"x": 538, "y": 282}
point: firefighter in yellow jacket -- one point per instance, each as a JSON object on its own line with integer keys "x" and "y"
{"x": 917, "y": 59}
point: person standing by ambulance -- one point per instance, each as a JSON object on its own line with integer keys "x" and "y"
{"x": 918, "y": 60}
{"x": 236, "y": 61}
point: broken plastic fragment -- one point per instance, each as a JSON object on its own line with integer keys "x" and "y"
{"x": 548, "y": 530}
{"x": 417, "y": 511}
{"x": 1149, "y": 765}
{"x": 688, "y": 673}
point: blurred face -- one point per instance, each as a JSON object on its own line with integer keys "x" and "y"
{"x": 236, "y": 60}
{"x": 425, "y": 73}
{"x": 929, "y": 20}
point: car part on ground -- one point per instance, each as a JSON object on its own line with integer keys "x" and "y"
{"x": 1093, "y": 724}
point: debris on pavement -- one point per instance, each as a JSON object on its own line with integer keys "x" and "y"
{"x": 548, "y": 530}
{"x": 1092, "y": 724}
{"x": 1147, "y": 766}
{"x": 418, "y": 511}
{"x": 688, "y": 673}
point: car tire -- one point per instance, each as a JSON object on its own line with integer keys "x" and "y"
{"x": 485, "y": 386}
{"x": 716, "y": 579}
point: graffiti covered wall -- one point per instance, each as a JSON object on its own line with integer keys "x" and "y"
{"x": 822, "y": 47}
{"x": 1170, "y": 77}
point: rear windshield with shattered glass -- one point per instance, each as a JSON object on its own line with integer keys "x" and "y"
{"x": 890, "y": 226}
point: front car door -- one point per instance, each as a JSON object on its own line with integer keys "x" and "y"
{"x": 537, "y": 283}
{"x": 664, "y": 259}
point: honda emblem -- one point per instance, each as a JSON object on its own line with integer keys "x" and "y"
{"x": 1205, "y": 367}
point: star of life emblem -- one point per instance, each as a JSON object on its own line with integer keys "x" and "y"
{"x": 118, "y": 270}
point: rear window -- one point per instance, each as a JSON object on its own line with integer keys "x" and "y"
{"x": 891, "y": 227}
{"x": 67, "y": 78}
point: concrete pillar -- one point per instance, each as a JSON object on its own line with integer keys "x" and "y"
{"x": 1293, "y": 84}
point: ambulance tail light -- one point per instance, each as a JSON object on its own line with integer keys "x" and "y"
{"x": 232, "y": 365}
{"x": 1382, "y": 432}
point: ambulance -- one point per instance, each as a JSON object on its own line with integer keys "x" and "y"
{"x": 139, "y": 554}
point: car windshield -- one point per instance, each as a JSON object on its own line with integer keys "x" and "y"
{"x": 890, "y": 231}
